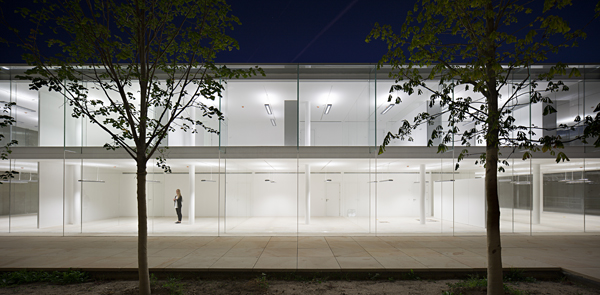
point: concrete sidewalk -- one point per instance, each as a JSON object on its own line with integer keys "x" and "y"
{"x": 579, "y": 254}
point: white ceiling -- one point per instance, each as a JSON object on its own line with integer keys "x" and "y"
{"x": 319, "y": 165}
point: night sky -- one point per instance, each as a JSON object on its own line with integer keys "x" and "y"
{"x": 333, "y": 31}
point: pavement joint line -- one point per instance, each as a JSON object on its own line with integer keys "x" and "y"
{"x": 578, "y": 255}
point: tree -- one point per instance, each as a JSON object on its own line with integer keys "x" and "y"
{"x": 6, "y": 120}
{"x": 484, "y": 36}
{"x": 164, "y": 48}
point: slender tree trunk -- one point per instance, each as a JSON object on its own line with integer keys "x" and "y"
{"x": 495, "y": 285}
{"x": 494, "y": 248}
{"x": 143, "y": 270}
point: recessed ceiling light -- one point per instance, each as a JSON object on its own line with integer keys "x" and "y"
{"x": 327, "y": 109}
{"x": 387, "y": 109}
{"x": 273, "y": 122}
{"x": 268, "y": 108}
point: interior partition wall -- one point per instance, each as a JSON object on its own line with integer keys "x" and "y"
{"x": 296, "y": 154}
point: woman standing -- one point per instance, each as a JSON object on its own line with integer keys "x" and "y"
{"x": 177, "y": 203}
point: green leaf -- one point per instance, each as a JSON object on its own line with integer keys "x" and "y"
{"x": 549, "y": 110}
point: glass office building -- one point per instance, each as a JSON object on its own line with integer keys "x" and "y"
{"x": 296, "y": 155}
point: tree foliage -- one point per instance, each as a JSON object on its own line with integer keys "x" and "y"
{"x": 150, "y": 60}
{"x": 6, "y": 120}
{"x": 478, "y": 42}
{"x": 479, "y": 47}
{"x": 164, "y": 48}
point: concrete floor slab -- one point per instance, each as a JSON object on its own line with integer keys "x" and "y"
{"x": 577, "y": 253}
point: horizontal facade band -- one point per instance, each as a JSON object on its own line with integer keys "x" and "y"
{"x": 287, "y": 152}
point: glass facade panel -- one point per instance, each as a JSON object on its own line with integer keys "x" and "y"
{"x": 563, "y": 202}
{"x": 339, "y": 201}
{"x": 591, "y": 200}
{"x": 260, "y": 196}
{"x": 297, "y": 155}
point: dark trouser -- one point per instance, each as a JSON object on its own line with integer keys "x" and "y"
{"x": 178, "y": 213}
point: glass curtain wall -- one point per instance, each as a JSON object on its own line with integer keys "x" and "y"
{"x": 591, "y": 179}
{"x": 296, "y": 155}
{"x": 335, "y": 113}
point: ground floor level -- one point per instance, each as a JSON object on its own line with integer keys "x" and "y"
{"x": 288, "y": 191}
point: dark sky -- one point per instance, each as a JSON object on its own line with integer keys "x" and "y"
{"x": 334, "y": 31}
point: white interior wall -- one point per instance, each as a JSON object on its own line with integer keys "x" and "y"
{"x": 274, "y": 199}
{"x": 255, "y": 133}
{"x": 207, "y": 196}
{"x": 50, "y": 194}
{"x": 51, "y": 118}
{"x": 238, "y": 195}
{"x": 101, "y": 200}
{"x": 327, "y": 133}
{"x": 72, "y": 194}
{"x": 128, "y": 195}
{"x": 355, "y": 194}
{"x": 446, "y": 189}
{"x": 356, "y": 133}
{"x": 155, "y": 194}
{"x": 399, "y": 197}
{"x": 469, "y": 201}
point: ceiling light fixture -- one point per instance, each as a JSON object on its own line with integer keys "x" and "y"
{"x": 273, "y": 122}
{"x": 19, "y": 180}
{"x": 268, "y": 108}
{"x": 387, "y": 109}
{"x": 208, "y": 180}
{"x": 5, "y": 68}
{"x": 386, "y": 180}
{"x": 327, "y": 109}
{"x": 97, "y": 177}
{"x": 578, "y": 181}
{"x": 522, "y": 182}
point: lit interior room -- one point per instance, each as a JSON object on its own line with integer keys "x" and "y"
{"x": 296, "y": 155}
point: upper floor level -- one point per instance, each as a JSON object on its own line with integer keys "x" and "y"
{"x": 293, "y": 105}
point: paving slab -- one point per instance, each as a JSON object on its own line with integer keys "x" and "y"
{"x": 579, "y": 254}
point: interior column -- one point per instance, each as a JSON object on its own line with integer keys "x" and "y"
{"x": 307, "y": 189}
{"x": 192, "y": 198}
{"x": 290, "y": 123}
{"x": 422, "y": 194}
{"x": 536, "y": 204}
